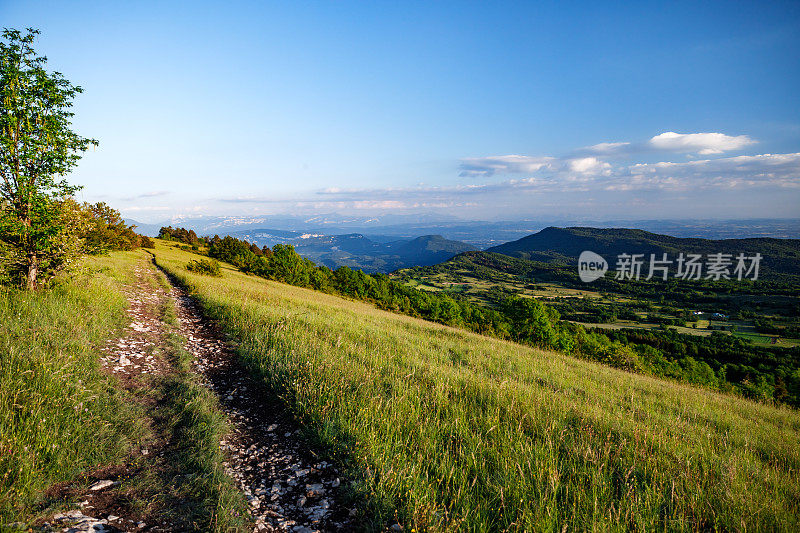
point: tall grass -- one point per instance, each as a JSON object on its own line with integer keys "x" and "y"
{"x": 58, "y": 413}
{"x": 454, "y": 431}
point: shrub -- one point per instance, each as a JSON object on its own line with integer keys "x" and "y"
{"x": 205, "y": 267}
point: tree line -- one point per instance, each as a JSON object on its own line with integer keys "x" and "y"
{"x": 81, "y": 229}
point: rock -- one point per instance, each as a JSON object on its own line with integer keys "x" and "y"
{"x": 396, "y": 527}
{"x": 104, "y": 484}
{"x": 314, "y": 490}
{"x": 336, "y": 482}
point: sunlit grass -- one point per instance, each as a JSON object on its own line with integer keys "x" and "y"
{"x": 460, "y": 432}
{"x": 58, "y": 413}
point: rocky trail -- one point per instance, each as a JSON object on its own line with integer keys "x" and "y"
{"x": 287, "y": 486}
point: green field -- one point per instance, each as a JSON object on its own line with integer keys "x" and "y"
{"x": 447, "y": 430}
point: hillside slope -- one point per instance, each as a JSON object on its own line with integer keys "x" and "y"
{"x": 449, "y": 430}
{"x": 564, "y": 245}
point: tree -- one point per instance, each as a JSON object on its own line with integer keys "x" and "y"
{"x": 37, "y": 149}
{"x": 106, "y": 230}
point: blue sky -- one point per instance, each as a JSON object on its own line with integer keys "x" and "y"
{"x": 484, "y": 110}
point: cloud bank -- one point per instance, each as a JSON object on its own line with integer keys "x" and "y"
{"x": 668, "y": 175}
{"x": 608, "y": 170}
{"x": 701, "y": 143}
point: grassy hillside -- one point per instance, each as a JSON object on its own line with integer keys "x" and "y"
{"x": 454, "y": 431}
{"x": 747, "y": 333}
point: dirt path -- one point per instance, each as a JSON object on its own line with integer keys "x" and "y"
{"x": 288, "y": 487}
{"x": 108, "y": 499}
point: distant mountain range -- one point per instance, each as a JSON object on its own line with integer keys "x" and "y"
{"x": 480, "y": 234}
{"x": 564, "y": 245}
{"x": 376, "y": 254}
{"x": 393, "y": 242}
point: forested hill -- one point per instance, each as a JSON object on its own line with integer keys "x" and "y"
{"x": 564, "y": 245}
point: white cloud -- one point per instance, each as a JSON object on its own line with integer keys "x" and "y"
{"x": 740, "y": 172}
{"x": 503, "y": 164}
{"x": 593, "y": 160}
{"x": 588, "y": 165}
{"x": 582, "y": 175}
{"x": 534, "y": 182}
{"x": 701, "y": 143}
{"x": 607, "y": 148}
{"x": 153, "y": 194}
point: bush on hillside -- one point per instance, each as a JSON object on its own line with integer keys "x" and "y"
{"x": 204, "y": 267}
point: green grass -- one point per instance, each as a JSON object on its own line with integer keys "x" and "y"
{"x": 453, "y": 431}
{"x": 58, "y": 413}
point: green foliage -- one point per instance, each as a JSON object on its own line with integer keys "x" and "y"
{"x": 93, "y": 229}
{"x": 55, "y": 234}
{"x": 106, "y": 230}
{"x": 181, "y": 235}
{"x": 37, "y": 148}
{"x": 204, "y": 267}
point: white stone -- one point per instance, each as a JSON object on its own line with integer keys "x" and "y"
{"x": 104, "y": 484}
